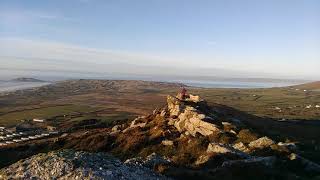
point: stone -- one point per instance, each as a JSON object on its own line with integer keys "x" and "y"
{"x": 291, "y": 146}
{"x": 180, "y": 124}
{"x": 233, "y": 132}
{"x": 217, "y": 148}
{"x": 174, "y": 105}
{"x": 167, "y": 143}
{"x": 195, "y": 121}
{"x": 163, "y": 113}
{"x": 209, "y": 126}
{"x": 204, "y": 131}
{"x": 241, "y": 147}
{"x": 261, "y": 143}
{"x": 149, "y": 162}
{"x": 171, "y": 122}
{"x": 202, "y": 159}
{"x": 70, "y": 164}
{"x": 116, "y": 128}
{"x": 194, "y": 98}
{"x": 138, "y": 122}
{"x": 189, "y": 118}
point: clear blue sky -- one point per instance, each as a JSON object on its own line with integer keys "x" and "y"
{"x": 280, "y": 38}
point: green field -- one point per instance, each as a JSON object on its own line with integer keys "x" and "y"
{"x": 265, "y": 102}
{"x": 123, "y": 99}
{"x": 13, "y": 118}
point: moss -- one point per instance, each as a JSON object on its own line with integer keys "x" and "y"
{"x": 227, "y": 138}
{"x": 246, "y": 136}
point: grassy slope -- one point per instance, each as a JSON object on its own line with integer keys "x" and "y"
{"x": 263, "y": 102}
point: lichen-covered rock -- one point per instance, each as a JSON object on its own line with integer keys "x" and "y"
{"x": 69, "y": 164}
{"x": 116, "y": 128}
{"x": 218, "y": 148}
{"x": 189, "y": 119}
{"x": 202, "y": 159}
{"x": 194, "y": 98}
{"x": 261, "y": 143}
{"x": 150, "y": 161}
{"x": 241, "y": 147}
{"x": 174, "y": 105}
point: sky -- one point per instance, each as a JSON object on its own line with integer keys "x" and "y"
{"x": 225, "y": 38}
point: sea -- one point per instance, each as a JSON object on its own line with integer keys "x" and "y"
{"x": 237, "y": 84}
{"x": 6, "y": 86}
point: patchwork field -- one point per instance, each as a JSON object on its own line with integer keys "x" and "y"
{"x": 288, "y": 113}
{"x": 94, "y": 99}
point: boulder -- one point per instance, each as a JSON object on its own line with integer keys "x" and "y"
{"x": 116, "y": 128}
{"x": 174, "y": 105}
{"x": 138, "y": 122}
{"x": 167, "y": 143}
{"x": 241, "y": 147}
{"x": 163, "y": 113}
{"x": 261, "y": 143}
{"x": 202, "y": 159}
{"x": 69, "y": 164}
{"x": 194, "y": 98}
{"x": 217, "y": 148}
{"x": 292, "y": 146}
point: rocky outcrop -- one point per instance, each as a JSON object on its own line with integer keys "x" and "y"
{"x": 187, "y": 118}
{"x": 261, "y": 143}
{"x": 218, "y": 148}
{"x": 68, "y": 164}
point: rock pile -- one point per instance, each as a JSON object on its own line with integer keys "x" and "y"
{"x": 189, "y": 132}
{"x": 188, "y": 119}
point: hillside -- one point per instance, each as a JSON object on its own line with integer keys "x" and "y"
{"x": 186, "y": 138}
{"x": 25, "y": 79}
{"x": 309, "y": 86}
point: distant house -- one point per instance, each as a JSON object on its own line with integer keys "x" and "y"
{"x": 39, "y": 120}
